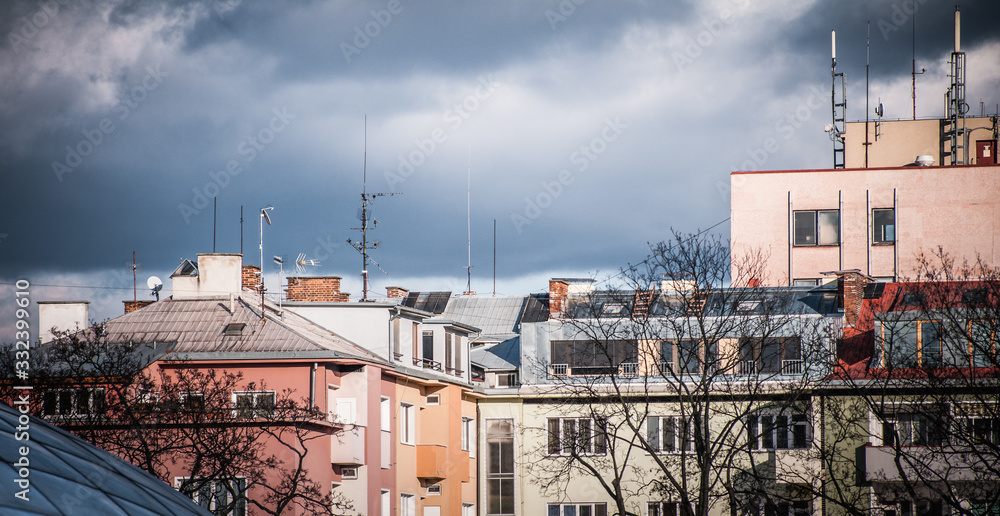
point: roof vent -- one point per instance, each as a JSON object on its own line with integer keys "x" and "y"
{"x": 925, "y": 160}
{"x": 233, "y": 329}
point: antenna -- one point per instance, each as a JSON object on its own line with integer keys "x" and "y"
{"x": 134, "y": 296}
{"x": 301, "y": 262}
{"x": 868, "y": 45}
{"x": 915, "y": 73}
{"x": 494, "y": 257}
{"x": 281, "y": 270}
{"x": 241, "y": 229}
{"x": 839, "y": 108}
{"x": 954, "y": 127}
{"x": 468, "y": 223}
{"x": 215, "y": 219}
{"x": 363, "y": 247}
{"x": 155, "y": 285}
{"x": 263, "y": 216}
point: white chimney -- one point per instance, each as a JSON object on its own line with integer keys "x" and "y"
{"x": 217, "y": 275}
{"x": 61, "y": 316}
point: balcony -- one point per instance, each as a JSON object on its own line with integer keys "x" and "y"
{"x": 427, "y": 364}
{"x": 348, "y": 446}
{"x": 792, "y": 367}
{"x": 927, "y": 462}
{"x": 746, "y": 367}
{"x": 558, "y": 369}
{"x": 432, "y": 461}
{"x": 628, "y": 369}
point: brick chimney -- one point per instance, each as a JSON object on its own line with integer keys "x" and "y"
{"x": 131, "y": 306}
{"x": 316, "y": 289}
{"x": 851, "y": 293}
{"x": 558, "y": 289}
{"x": 251, "y": 277}
{"x": 393, "y": 292}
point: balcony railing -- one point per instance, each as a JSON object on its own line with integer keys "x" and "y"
{"x": 559, "y": 369}
{"x": 666, "y": 368}
{"x": 746, "y": 367}
{"x": 427, "y": 364}
{"x": 791, "y": 367}
{"x": 628, "y": 369}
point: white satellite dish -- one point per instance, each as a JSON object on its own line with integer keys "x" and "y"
{"x": 155, "y": 284}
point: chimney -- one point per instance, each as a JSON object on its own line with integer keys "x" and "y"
{"x": 61, "y": 316}
{"x": 251, "y": 278}
{"x": 315, "y": 289}
{"x": 394, "y": 292}
{"x": 851, "y": 293}
{"x": 215, "y": 275}
{"x": 558, "y": 289}
{"x": 131, "y": 306}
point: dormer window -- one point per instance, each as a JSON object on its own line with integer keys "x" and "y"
{"x": 234, "y": 329}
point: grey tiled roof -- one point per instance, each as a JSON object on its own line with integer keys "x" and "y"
{"x": 198, "y": 326}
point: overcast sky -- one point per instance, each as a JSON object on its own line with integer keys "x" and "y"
{"x": 590, "y": 128}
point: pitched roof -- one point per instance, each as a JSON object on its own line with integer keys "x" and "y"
{"x": 496, "y": 315}
{"x": 505, "y": 356}
{"x": 208, "y": 325}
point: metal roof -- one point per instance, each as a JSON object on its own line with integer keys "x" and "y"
{"x": 505, "y": 356}
{"x": 71, "y": 476}
{"x": 199, "y": 326}
{"x": 433, "y": 302}
{"x": 493, "y": 315}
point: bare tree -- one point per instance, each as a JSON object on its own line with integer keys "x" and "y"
{"x": 244, "y": 458}
{"x": 680, "y": 380}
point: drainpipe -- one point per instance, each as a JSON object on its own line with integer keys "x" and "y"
{"x": 312, "y": 385}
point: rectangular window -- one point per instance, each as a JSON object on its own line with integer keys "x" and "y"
{"x": 909, "y": 343}
{"x": 449, "y": 353}
{"x": 666, "y": 509}
{"x": 469, "y": 435}
{"x": 223, "y": 497}
{"x": 406, "y": 423}
{"x": 883, "y": 226}
{"x": 253, "y": 404}
{"x": 983, "y": 347}
{"x": 408, "y": 504}
{"x": 397, "y": 349}
{"x": 569, "y": 435}
{"x": 386, "y": 503}
{"x": 74, "y": 403}
{"x": 915, "y": 428}
{"x": 500, "y": 466}
{"x": 428, "y": 344}
{"x": 348, "y": 473}
{"x": 670, "y": 434}
{"x": 790, "y": 508}
{"x": 593, "y": 357}
{"x": 771, "y": 356}
{"x": 468, "y": 509}
{"x": 577, "y": 509}
{"x": 193, "y": 402}
{"x": 777, "y": 431}
{"x": 345, "y": 411}
{"x": 385, "y": 417}
{"x": 816, "y": 227}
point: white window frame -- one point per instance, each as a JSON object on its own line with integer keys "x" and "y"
{"x": 256, "y": 410}
{"x": 434, "y": 489}
{"x": 819, "y": 238}
{"x": 592, "y": 444}
{"x": 349, "y": 473}
{"x": 385, "y": 503}
{"x": 75, "y": 409}
{"x": 469, "y": 435}
{"x": 678, "y": 444}
{"x": 577, "y": 505}
{"x": 756, "y": 437}
{"x": 433, "y": 399}
{"x": 407, "y": 423}
{"x": 345, "y": 411}
{"x": 407, "y": 504}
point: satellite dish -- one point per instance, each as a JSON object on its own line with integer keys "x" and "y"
{"x": 155, "y": 284}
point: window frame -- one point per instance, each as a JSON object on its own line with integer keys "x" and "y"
{"x": 407, "y": 423}
{"x": 595, "y": 443}
{"x": 500, "y": 452}
{"x": 879, "y": 228}
{"x": 239, "y": 502}
{"x": 763, "y": 431}
{"x": 898, "y": 331}
{"x": 817, "y": 235}
{"x": 681, "y": 442}
{"x": 256, "y": 412}
{"x": 67, "y": 403}
{"x": 579, "y": 508}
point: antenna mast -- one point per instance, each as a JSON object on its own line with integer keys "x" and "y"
{"x": 955, "y": 100}
{"x": 839, "y": 106}
{"x": 363, "y": 247}
{"x": 468, "y": 223}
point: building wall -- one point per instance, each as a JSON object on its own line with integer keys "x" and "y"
{"x": 957, "y": 208}
{"x": 901, "y": 141}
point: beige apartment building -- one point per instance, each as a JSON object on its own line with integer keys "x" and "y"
{"x": 877, "y": 219}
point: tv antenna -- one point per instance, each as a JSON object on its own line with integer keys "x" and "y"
{"x": 155, "y": 285}
{"x": 263, "y": 216}
{"x": 301, "y": 262}
{"x": 280, "y": 261}
{"x": 364, "y": 246}
{"x": 468, "y": 224}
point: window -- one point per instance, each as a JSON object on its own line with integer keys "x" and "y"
{"x": 669, "y": 433}
{"x": 568, "y": 435}
{"x": 345, "y": 411}
{"x": 397, "y": 350}
{"x": 500, "y": 466}
{"x": 408, "y": 504}
{"x": 978, "y": 423}
{"x": 816, "y": 227}
{"x": 915, "y": 508}
{"x": 912, "y": 428}
{"x": 386, "y": 503}
{"x": 777, "y": 431}
{"x": 469, "y": 435}
{"x": 434, "y": 489}
{"x": 469, "y": 509}
{"x": 909, "y": 343}
{"x": 805, "y": 282}
{"x": 506, "y": 379}
{"x": 666, "y": 509}
{"x": 74, "y": 403}
{"x": 253, "y": 404}
{"x": 592, "y": 357}
{"x": 193, "y": 402}
{"x": 771, "y": 355}
{"x": 883, "y": 226}
{"x": 428, "y": 344}
{"x": 406, "y": 423}
{"x": 224, "y": 497}
{"x": 385, "y": 425}
{"x": 433, "y": 399}
{"x": 578, "y": 509}
{"x": 349, "y": 473}
{"x": 983, "y": 347}
{"x": 449, "y": 353}
{"x": 790, "y": 508}
{"x": 985, "y": 508}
